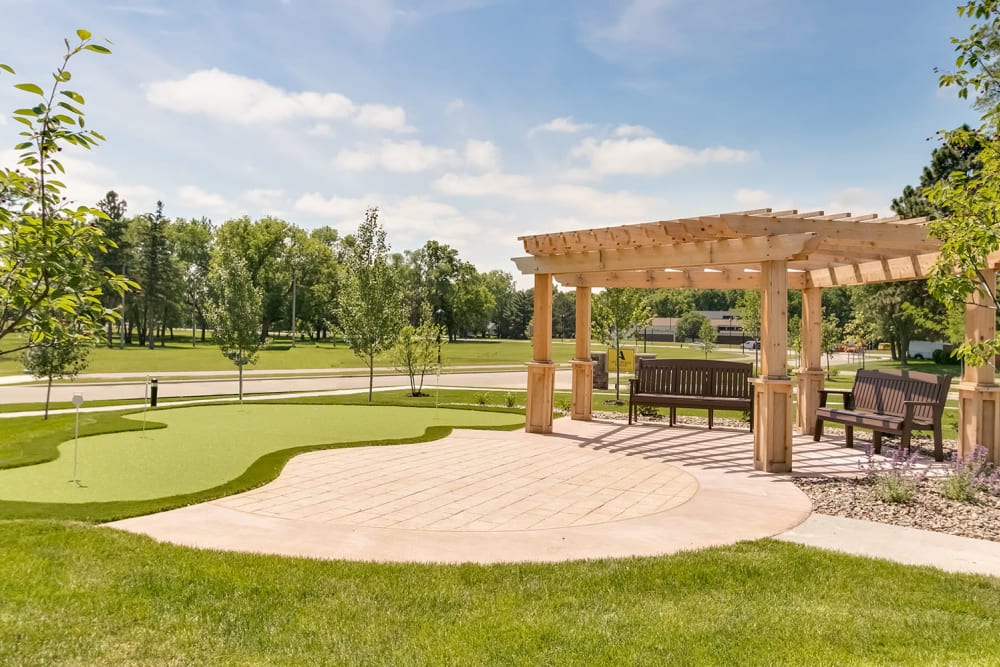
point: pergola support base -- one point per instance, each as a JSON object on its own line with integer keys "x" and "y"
{"x": 979, "y": 419}
{"x": 809, "y": 385}
{"x": 538, "y": 405}
{"x": 583, "y": 389}
{"x": 772, "y": 429}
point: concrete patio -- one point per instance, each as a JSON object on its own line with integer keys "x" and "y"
{"x": 593, "y": 489}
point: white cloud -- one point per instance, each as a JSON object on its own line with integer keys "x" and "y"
{"x": 482, "y": 154}
{"x": 336, "y": 208}
{"x": 239, "y": 99}
{"x": 455, "y": 105}
{"x": 382, "y": 117}
{"x": 564, "y": 125}
{"x": 264, "y": 198}
{"x": 650, "y": 155}
{"x": 858, "y": 201}
{"x": 594, "y": 204}
{"x": 633, "y": 131}
{"x": 193, "y": 196}
{"x": 406, "y": 157}
{"x": 753, "y": 198}
{"x": 320, "y": 130}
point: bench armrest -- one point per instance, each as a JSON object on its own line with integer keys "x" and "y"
{"x": 631, "y": 385}
{"x": 846, "y": 393}
{"x": 910, "y": 406}
{"x": 920, "y": 402}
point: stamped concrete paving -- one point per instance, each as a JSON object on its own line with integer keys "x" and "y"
{"x": 597, "y": 489}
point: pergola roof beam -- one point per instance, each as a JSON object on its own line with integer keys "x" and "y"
{"x": 698, "y": 253}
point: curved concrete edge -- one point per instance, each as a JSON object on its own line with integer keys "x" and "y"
{"x": 727, "y": 508}
{"x": 901, "y": 544}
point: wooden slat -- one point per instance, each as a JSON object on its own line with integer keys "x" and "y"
{"x": 913, "y": 267}
{"x": 699, "y": 253}
{"x": 694, "y": 279}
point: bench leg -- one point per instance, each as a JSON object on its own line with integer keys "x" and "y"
{"x": 631, "y": 407}
{"x": 850, "y": 435}
{"x": 938, "y": 445}
{"x": 904, "y": 438}
{"x": 818, "y": 431}
{"x": 877, "y": 441}
{"x": 711, "y": 415}
{"x": 673, "y": 416}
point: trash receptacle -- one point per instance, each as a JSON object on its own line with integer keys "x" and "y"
{"x": 153, "y": 388}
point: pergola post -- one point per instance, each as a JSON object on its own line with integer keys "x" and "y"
{"x": 772, "y": 433}
{"x": 541, "y": 370}
{"x": 583, "y": 366}
{"x": 978, "y": 393}
{"x": 810, "y": 374}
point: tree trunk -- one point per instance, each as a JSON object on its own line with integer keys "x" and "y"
{"x": 241, "y": 384}
{"x": 48, "y": 393}
{"x": 371, "y": 375}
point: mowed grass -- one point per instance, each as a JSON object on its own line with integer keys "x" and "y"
{"x": 179, "y": 356}
{"x": 206, "y": 446}
{"x": 73, "y": 594}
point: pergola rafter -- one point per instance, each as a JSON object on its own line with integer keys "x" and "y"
{"x": 772, "y": 251}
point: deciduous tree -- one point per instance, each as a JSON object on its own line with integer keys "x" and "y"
{"x": 235, "y": 311}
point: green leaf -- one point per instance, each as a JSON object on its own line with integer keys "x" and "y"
{"x": 29, "y": 88}
{"x": 7, "y": 68}
{"x": 83, "y": 34}
{"x": 75, "y": 96}
{"x": 23, "y": 120}
{"x": 69, "y": 107}
{"x": 97, "y": 48}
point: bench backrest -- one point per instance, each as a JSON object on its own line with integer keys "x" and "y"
{"x": 885, "y": 391}
{"x": 694, "y": 377}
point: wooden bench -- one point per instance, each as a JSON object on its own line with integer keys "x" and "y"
{"x": 691, "y": 383}
{"x": 896, "y": 402}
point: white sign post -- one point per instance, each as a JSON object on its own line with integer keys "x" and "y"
{"x": 77, "y": 401}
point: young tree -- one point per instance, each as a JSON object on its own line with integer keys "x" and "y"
{"x": 114, "y": 228}
{"x": 416, "y": 350}
{"x": 689, "y": 325}
{"x": 707, "y": 336}
{"x": 970, "y": 231}
{"x": 369, "y": 305}
{"x": 830, "y": 339}
{"x": 49, "y": 249}
{"x": 235, "y": 311}
{"x": 56, "y": 359}
{"x": 617, "y": 311}
{"x": 748, "y": 306}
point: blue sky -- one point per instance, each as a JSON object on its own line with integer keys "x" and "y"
{"x": 476, "y": 121}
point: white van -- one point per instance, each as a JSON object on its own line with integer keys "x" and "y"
{"x": 923, "y": 349}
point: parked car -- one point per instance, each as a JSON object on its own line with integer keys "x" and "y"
{"x": 751, "y": 345}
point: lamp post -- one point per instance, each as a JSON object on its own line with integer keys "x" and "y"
{"x": 437, "y": 397}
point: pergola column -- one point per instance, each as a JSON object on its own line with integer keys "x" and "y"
{"x": 772, "y": 433}
{"x": 810, "y": 374}
{"x": 541, "y": 370}
{"x": 978, "y": 394}
{"x": 583, "y": 366}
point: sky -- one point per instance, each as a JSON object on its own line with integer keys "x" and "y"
{"x": 473, "y": 122}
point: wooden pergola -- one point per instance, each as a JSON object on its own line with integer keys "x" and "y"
{"x": 772, "y": 251}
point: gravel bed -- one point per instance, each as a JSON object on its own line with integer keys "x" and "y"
{"x": 856, "y": 498}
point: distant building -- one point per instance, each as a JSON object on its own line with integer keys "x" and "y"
{"x": 728, "y": 327}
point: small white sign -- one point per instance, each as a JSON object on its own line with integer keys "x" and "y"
{"x": 77, "y": 400}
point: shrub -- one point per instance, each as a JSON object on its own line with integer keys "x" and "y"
{"x": 896, "y": 478}
{"x": 564, "y": 403}
{"x": 510, "y": 400}
{"x": 966, "y": 477}
{"x": 945, "y": 357}
{"x": 648, "y": 411}
{"x": 482, "y": 398}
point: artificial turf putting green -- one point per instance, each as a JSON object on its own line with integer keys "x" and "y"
{"x": 206, "y": 446}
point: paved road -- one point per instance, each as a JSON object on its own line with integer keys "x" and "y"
{"x": 101, "y": 391}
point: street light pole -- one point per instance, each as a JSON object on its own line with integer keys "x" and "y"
{"x": 294, "y": 293}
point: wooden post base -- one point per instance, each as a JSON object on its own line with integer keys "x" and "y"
{"x": 979, "y": 419}
{"x": 541, "y": 390}
{"x": 583, "y": 389}
{"x": 809, "y": 385}
{"x": 772, "y": 429}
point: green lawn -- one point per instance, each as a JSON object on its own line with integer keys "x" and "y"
{"x": 73, "y": 594}
{"x": 180, "y": 356}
